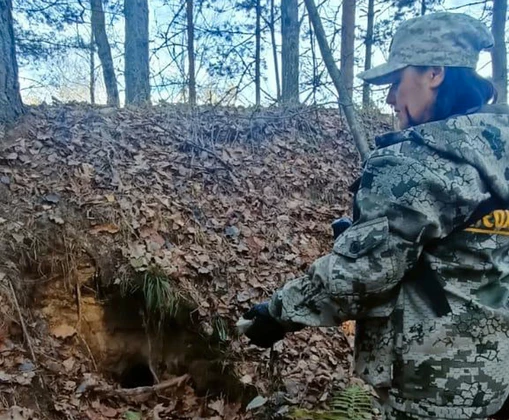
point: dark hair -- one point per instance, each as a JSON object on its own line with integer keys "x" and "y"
{"x": 462, "y": 91}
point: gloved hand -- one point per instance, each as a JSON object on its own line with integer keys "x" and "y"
{"x": 260, "y": 327}
{"x": 340, "y": 225}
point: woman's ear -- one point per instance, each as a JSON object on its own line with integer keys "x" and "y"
{"x": 436, "y": 76}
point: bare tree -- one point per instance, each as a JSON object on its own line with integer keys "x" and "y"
{"x": 347, "y": 44}
{"x": 10, "y": 98}
{"x": 137, "y": 71}
{"x": 499, "y": 51}
{"x": 366, "y": 91}
{"x": 190, "y": 52}
{"x": 290, "y": 50}
{"x": 104, "y": 52}
{"x": 92, "y": 69}
{"x": 315, "y": 80}
{"x": 258, "y": 39}
{"x": 358, "y": 133}
{"x": 274, "y": 49}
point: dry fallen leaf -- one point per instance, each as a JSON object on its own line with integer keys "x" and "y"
{"x": 57, "y": 219}
{"x": 217, "y": 406}
{"x": 20, "y": 379}
{"x": 246, "y": 379}
{"x": 69, "y": 363}
{"x": 107, "y": 227}
{"x": 17, "y": 413}
{"x": 52, "y": 198}
{"x": 256, "y": 402}
{"x": 63, "y": 331}
{"x": 108, "y": 411}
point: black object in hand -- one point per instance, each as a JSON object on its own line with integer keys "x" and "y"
{"x": 265, "y": 330}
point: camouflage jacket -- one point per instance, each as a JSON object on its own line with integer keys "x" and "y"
{"x": 416, "y": 188}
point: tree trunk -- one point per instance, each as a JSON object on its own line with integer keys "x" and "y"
{"x": 290, "y": 51}
{"x": 104, "y": 52}
{"x": 313, "y": 59}
{"x": 92, "y": 69}
{"x": 137, "y": 71}
{"x": 190, "y": 52}
{"x": 366, "y": 91}
{"x": 274, "y": 49}
{"x": 499, "y": 51}
{"x": 257, "y": 53}
{"x": 348, "y": 44}
{"x": 423, "y": 7}
{"x": 10, "y": 98}
{"x": 345, "y": 101}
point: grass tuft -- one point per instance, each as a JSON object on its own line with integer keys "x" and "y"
{"x": 220, "y": 327}
{"x": 162, "y": 299}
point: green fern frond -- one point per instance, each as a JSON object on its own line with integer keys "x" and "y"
{"x": 353, "y": 403}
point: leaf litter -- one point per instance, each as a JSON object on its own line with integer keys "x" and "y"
{"x": 227, "y": 203}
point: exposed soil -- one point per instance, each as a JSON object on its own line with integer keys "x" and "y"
{"x": 132, "y": 240}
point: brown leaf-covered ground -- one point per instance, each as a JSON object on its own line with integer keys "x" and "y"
{"x": 221, "y": 206}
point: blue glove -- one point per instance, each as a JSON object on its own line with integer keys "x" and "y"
{"x": 263, "y": 330}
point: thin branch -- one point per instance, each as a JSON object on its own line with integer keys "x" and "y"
{"x": 24, "y": 328}
{"x": 475, "y": 3}
{"x": 109, "y": 391}
{"x": 335, "y": 74}
{"x": 197, "y": 146}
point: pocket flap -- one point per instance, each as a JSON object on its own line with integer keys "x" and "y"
{"x": 360, "y": 239}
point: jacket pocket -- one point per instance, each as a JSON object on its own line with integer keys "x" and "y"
{"x": 368, "y": 267}
{"x": 361, "y": 239}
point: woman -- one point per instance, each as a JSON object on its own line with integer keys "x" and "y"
{"x": 424, "y": 269}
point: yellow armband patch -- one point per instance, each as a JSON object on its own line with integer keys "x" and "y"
{"x": 495, "y": 223}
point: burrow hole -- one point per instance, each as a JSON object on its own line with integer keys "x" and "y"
{"x": 136, "y": 374}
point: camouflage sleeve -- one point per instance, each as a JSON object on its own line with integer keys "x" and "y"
{"x": 404, "y": 200}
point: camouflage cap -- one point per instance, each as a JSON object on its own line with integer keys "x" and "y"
{"x": 438, "y": 39}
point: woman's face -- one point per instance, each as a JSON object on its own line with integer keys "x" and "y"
{"x": 413, "y": 94}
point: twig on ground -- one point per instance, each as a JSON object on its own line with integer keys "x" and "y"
{"x": 92, "y": 358}
{"x": 78, "y": 324}
{"x": 149, "y": 343}
{"x": 25, "y": 330}
{"x": 142, "y": 390}
{"x": 273, "y": 368}
{"x": 78, "y": 304}
{"x": 203, "y": 149}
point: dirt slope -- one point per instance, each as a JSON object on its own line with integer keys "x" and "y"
{"x": 133, "y": 239}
